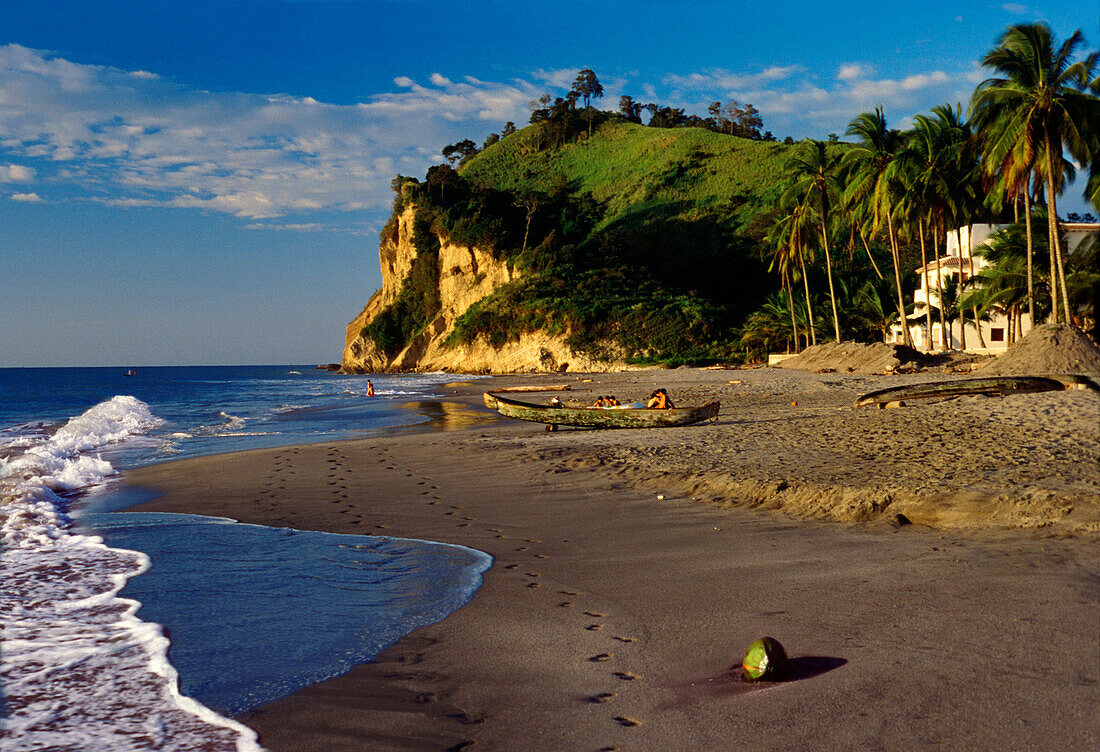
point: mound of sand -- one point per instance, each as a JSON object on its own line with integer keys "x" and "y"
{"x": 853, "y": 357}
{"x": 1052, "y": 348}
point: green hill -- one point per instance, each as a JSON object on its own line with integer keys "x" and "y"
{"x": 637, "y": 240}
{"x": 637, "y": 171}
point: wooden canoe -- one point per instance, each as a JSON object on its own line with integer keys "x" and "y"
{"x": 599, "y": 417}
{"x": 545, "y": 388}
{"x": 990, "y": 385}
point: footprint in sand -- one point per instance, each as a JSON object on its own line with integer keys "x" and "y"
{"x": 600, "y": 658}
{"x": 622, "y": 720}
{"x": 626, "y": 675}
{"x": 602, "y": 697}
{"x": 594, "y": 614}
{"x": 620, "y": 638}
{"x": 594, "y": 627}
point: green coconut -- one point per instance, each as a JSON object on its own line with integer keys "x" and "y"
{"x": 765, "y": 660}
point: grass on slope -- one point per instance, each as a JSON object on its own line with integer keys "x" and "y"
{"x": 636, "y": 170}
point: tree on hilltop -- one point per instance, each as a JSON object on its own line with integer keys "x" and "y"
{"x": 735, "y": 119}
{"x": 587, "y": 86}
{"x": 630, "y": 110}
{"x": 460, "y": 151}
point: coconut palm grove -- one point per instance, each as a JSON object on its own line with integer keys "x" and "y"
{"x": 693, "y": 239}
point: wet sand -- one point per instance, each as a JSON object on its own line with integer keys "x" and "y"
{"x": 611, "y": 618}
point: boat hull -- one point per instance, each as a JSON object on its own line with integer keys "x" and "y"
{"x": 596, "y": 417}
{"x": 993, "y": 385}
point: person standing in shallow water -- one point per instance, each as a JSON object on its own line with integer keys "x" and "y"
{"x": 370, "y": 388}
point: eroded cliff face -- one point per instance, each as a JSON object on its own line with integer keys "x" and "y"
{"x": 466, "y": 275}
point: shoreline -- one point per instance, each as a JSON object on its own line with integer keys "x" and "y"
{"x": 610, "y": 618}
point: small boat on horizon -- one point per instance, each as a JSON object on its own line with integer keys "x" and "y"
{"x": 130, "y": 372}
{"x": 600, "y": 417}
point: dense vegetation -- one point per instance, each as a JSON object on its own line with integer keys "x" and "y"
{"x": 636, "y": 238}
{"x": 693, "y": 239}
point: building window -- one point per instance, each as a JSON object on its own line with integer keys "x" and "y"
{"x": 997, "y": 334}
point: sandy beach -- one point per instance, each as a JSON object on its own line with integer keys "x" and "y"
{"x": 933, "y": 570}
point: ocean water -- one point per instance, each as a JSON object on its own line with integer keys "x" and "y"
{"x": 139, "y": 631}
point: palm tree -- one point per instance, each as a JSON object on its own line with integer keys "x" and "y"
{"x": 963, "y": 194}
{"x": 790, "y": 237}
{"x": 869, "y": 185}
{"x": 783, "y": 254}
{"x": 925, "y": 168}
{"x": 1038, "y": 107}
{"x": 813, "y": 185}
{"x": 768, "y": 329}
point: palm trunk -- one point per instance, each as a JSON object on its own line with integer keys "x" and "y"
{"x": 790, "y": 304}
{"x": 906, "y": 337}
{"x": 809, "y": 305}
{"x": 1053, "y": 281}
{"x": 1056, "y": 243}
{"x": 869, "y": 256}
{"x": 927, "y": 291}
{"x": 1030, "y": 255}
{"x": 962, "y": 311}
{"x": 829, "y": 272}
{"x": 939, "y": 287}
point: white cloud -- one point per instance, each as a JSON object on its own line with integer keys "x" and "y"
{"x": 850, "y": 72}
{"x": 129, "y": 138}
{"x": 793, "y": 101}
{"x": 561, "y": 78}
{"x": 134, "y": 139}
{"x": 293, "y": 227}
{"x": 721, "y": 80}
{"x": 1015, "y": 9}
{"x": 14, "y": 173}
{"x": 27, "y": 198}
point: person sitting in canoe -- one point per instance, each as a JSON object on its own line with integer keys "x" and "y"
{"x": 599, "y": 402}
{"x": 612, "y": 402}
{"x": 555, "y": 402}
{"x": 659, "y": 400}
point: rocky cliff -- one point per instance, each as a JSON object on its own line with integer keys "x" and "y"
{"x": 466, "y": 275}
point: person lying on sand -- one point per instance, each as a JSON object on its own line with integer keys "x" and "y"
{"x": 659, "y": 400}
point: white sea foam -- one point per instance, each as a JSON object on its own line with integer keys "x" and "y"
{"x": 79, "y": 670}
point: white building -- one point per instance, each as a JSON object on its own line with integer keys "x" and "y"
{"x": 962, "y": 261}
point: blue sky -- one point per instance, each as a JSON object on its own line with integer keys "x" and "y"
{"x": 203, "y": 182}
